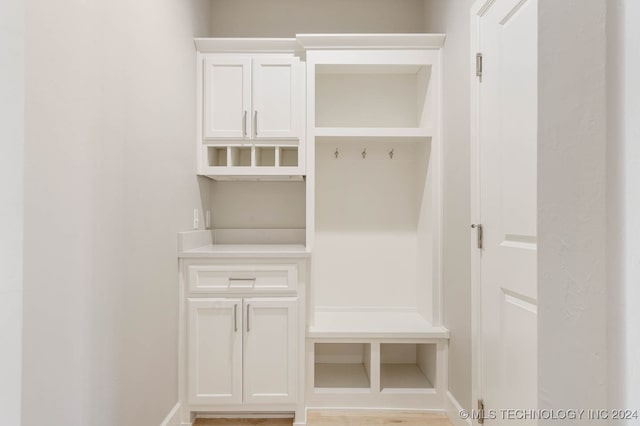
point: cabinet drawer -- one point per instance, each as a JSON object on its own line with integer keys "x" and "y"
{"x": 242, "y": 278}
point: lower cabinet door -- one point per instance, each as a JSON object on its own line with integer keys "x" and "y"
{"x": 215, "y": 351}
{"x": 270, "y": 348}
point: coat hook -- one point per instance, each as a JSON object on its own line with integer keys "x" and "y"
{"x": 364, "y": 153}
{"x": 336, "y": 153}
{"x": 391, "y": 154}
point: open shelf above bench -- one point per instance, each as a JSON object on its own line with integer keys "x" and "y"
{"x": 393, "y": 96}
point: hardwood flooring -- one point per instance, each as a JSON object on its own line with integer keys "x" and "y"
{"x": 341, "y": 418}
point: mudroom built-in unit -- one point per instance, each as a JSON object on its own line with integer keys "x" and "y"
{"x": 317, "y": 281}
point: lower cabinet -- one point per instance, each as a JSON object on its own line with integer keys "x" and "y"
{"x": 242, "y": 350}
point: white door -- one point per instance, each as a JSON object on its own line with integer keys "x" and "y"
{"x": 506, "y": 202}
{"x": 277, "y": 106}
{"x": 270, "y": 343}
{"x": 227, "y": 97}
{"x": 215, "y": 351}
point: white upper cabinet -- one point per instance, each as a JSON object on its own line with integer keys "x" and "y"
{"x": 227, "y": 97}
{"x": 251, "y": 109}
{"x": 252, "y": 98}
{"x": 276, "y": 92}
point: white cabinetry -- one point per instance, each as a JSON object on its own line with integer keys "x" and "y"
{"x": 215, "y": 351}
{"x": 242, "y": 351}
{"x": 270, "y": 348}
{"x": 251, "y": 111}
{"x": 242, "y": 333}
{"x": 251, "y": 97}
{"x": 359, "y": 118}
{"x": 276, "y": 98}
{"x": 375, "y": 336}
{"x": 227, "y": 97}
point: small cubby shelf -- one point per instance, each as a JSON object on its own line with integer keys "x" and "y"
{"x": 342, "y": 367}
{"x": 252, "y": 156}
{"x": 407, "y": 367}
{"x": 376, "y": 367}
{"x": 269, "y": 161}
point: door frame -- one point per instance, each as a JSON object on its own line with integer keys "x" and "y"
{"x": 477, "y": 9}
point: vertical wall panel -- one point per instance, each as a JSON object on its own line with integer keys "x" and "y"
{"x": 11, "y": 206}
{"x": 452, "y": 17}
{"x": 109, "y": 181}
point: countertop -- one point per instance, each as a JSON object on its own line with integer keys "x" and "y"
{"x": 246, "y": 250}
{"x": 241, "y": 243}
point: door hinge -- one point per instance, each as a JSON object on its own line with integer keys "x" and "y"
{"x": 478, "y": 234}
{"x": 480, "y": 411}
{"x": 479, "y": 65}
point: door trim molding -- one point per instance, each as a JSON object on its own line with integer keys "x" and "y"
{"x": 477, "y": 10}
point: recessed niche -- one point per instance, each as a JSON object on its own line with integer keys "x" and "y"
{"x": 407, "y": 366}
{"x": 217, "y": 156}
{"x": 265, "y": 156}
{"x": 342, "y": 366}
{"x": 372, "y": 95}
{"x": 240, "y": 156}
{"x": 288, "y": 156}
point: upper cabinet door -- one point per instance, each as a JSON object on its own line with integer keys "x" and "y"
{"x": 227, "y": 97}
{"x": 270, "y": 351}
{"x": 277, "y": 98}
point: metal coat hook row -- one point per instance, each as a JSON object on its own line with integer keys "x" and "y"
{"x": 336, "y": 153}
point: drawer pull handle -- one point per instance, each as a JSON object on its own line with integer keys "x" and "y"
{"x": 242, "y": 283}
{"x": 235, "y": 318}
{"x": 248, "y": 317}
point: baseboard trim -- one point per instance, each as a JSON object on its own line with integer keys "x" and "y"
{"x": 173, "y": 418}
{"x": 373, "y": 410}
{"x": 453, "y": 411}
{"x": 247, "y": 415}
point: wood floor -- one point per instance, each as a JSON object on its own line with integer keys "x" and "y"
{"x": 340, "y": 418}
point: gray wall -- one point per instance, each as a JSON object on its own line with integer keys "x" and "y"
{"x": 109, "y": 181}
{"x": 452, "y": 17}
{"x": 11, "y": 207}
{"x": 572, "y": 323}
{"x": 285, "y": 18}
